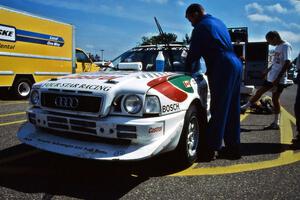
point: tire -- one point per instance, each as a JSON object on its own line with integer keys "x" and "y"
{"x": 4, "y": 94}
{"x": 189, "y": 142}
{"x": 21, "y": 88}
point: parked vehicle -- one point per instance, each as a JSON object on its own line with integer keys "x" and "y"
{"x": 128, "y": 112}
{"x": 292, "y": 73}
{"x": 34, "y": 48}
{"x": 84, "y": 63}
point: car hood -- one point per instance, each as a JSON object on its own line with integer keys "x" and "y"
{"x": 103, "y": 82}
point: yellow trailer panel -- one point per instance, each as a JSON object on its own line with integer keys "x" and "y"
{"x": 33, "y": 49}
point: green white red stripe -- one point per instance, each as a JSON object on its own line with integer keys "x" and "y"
{"x": 175, "y": 88}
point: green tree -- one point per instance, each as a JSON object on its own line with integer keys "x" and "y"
{"x": 186, "y": 40}
{"x": 159, "y": 39}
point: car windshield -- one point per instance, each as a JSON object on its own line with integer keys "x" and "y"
{"x": 147, "y": 57}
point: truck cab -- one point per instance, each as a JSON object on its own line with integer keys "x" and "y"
{"x": 84, "y": 63}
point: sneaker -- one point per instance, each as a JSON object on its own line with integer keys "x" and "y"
{"x": 272, "y": 126}
{"x": 230, "y": 153}
{"x": 208, "y": 156}
{"x": 296, "y": 143}
{"x": 296, "y": 140}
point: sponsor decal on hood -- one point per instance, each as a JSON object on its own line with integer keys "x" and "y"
{"x": 77, "y": 86}
{"x": 99, "y": 81}
{"x": 172, "y": 87}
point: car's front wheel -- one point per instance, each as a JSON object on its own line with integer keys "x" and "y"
{"x": 189, "y": 139}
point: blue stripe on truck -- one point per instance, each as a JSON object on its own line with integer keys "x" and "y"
{"x": 39, "y": 38}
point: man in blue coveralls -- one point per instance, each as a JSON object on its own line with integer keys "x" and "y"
{"x": 211, "y": 40}
{"x": 296, "y": 140}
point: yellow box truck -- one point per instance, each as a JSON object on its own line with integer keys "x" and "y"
{"x": 34, "y": 48}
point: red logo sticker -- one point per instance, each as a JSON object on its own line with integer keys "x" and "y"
{"x": 155, "y": 130}
{"x": 187, "y": 84}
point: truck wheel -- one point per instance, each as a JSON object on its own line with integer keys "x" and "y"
{"x": 22, "y": 88}
{"x": 189, "y": 139}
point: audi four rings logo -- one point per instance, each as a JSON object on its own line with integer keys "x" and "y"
{"x": 66, "y": 102}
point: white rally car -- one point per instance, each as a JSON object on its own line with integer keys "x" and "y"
{"x": 119, "y": 114}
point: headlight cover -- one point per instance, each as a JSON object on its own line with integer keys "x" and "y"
{"x": 34, "y": 97}
{"x": 133, "y": 104}
{"x": 152, "y": 105}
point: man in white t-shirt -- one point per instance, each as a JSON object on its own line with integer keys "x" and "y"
{"x": 276, "y": 77}
{"x": 296, "y": 140}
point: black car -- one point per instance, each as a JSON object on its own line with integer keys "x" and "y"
{"x": 174, "y": 56}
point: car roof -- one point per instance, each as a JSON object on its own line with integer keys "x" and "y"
{"x": 160, "y": 47}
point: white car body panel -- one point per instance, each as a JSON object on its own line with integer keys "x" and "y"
{"x": 150, "y": 135}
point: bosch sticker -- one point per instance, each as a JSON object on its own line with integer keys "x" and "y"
{"x": 170, "y": 107}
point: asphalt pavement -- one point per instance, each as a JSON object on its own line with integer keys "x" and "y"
{"x": 269, "y": 168}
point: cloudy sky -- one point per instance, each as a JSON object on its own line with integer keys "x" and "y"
{"x": 117, "y": 25}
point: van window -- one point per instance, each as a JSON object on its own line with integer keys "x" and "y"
{"x": 81, "y": 57}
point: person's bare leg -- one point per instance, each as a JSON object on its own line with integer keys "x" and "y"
{"x": 275, "y": 124}
{"x": 255, "y": 97}
{"x": 276, "y": 104}
{"x": 259, "y": 93}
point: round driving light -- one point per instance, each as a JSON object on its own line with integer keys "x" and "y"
{"x": 152, "y": 104}
{"x": 133, "y": 104}
{"x": 34, "y": 97}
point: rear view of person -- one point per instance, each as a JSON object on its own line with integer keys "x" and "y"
{"x": 211, "y": 40}
{"x": 276, "y": 77}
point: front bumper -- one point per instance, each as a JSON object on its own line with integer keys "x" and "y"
{"x": 147, "y": 144}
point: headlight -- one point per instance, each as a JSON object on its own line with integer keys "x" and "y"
{"x": 34, "y": 97}
{"x": 133, "y": 104}
{"x": 152, "y": 105}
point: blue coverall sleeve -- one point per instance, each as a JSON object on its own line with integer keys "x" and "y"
{"x": 198, "y": 43}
